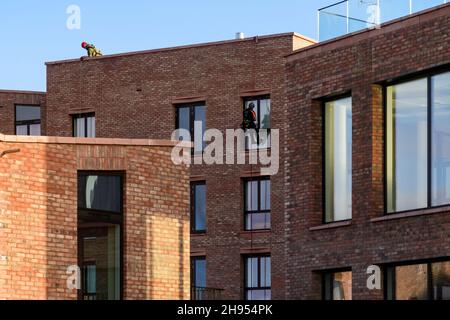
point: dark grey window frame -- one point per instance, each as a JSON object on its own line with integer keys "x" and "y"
{"x": 192, "y": 107}
{"x": 428, "y": 75}
{"x": 259, "y": 257}
{"x": 193, "y": 209}
{"x": 84, "y": 116}
{"x": 389, "y": 276}
{"x": 248, "y": 212}
{"x": 27, "y": 123}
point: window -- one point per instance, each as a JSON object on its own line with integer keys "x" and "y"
{"x": 28, "y": 120}
{"x": 100, "y": 192}
{"x": 193, "y": 119}
{"x": 337, "y": 285}
{"x": 262, "y": 110}
{"x": 257, "y": 278}
{"x": 198, "y": 278}
{"x": 84, "y": 125}
{"x": 417, "y": 144}
{"x": 338, "y": 160}
{"x": 257, "y": 204}
{"x": 426, "y": 281}
{"x": 198, "y": 207}
{"x": 100, "y": 225}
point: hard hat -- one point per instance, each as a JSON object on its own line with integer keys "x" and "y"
{"x": 84, "y": 44}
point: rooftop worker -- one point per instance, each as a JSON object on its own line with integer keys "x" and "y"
{"x": 91, "y": 49}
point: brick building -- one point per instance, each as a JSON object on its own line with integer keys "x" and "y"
{"x": 340, "y": 201}
{"x": 117, "y": 208}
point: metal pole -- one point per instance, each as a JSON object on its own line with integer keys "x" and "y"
{"x": 318, "y": 25}
{"x": 410, "y": 7}
{"x": 348, "y": 21}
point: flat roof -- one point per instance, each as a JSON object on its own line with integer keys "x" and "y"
{"x": 94, "y": 141}
{"x": 184, "y": 47}
{"x": 5, "y": 91}
{"x": 389, "y": 26}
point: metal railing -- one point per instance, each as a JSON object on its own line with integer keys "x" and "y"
{"x": 199, "y": 293}
{"x": 352, "y": 15}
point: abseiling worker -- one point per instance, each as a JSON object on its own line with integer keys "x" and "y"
{"x": 91, "y": 50}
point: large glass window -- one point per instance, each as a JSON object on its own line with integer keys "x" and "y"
{"x": 198, "y": 207}
{"x": 28, "y": 120}
{"x": 338, "y": 160}
{"x": 100, "y": 192}
{"x": 407, "y": 145}
{"x": 262, "y": 123}
{"x": 193, "y": 119}
{"x": 84, "y": 125}
{"x": 257, "y": 278}
{"x": 440, "y": 110}
{"x": 337, "y": 285}
{"x": 426, "y": 281}
{"x": 257, "y": 204}
{"x": 418, "y": 144}
{"x": 100, "y": 221}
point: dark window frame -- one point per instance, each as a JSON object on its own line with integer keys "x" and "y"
{"x": 27, "y": 123}
{"x": 192, "y": 207}
{"x": 91, "y": 215}
{"x": 193, "y": 270}
{"x": 192, "y": 107}
{"x": 328, "y": 295}
{"x": 390, "y": 268}
{"x": 323, "y": 102}
{"x": 248, "y": 212}
{"x": 428, "y": 75}
{"x": 258, "y": 124}
{"x": 84, "y": 116}
{"x": 259, "y": 257}
{"x": 97, "y": 212}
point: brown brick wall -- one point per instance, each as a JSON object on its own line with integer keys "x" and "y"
{"x": 8, "y": 100}
{"x": 218, "y": 73}
{"x": 356, "y": 64}
{"x": 38, "y": 218}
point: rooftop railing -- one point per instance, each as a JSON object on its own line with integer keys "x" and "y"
{"x": 353, "y": 15}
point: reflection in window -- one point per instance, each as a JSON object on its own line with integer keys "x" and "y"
{"x": 419, "y": 282}
{"x": 257, "y": 204}
{"x": 99, "y": 192}
{"x": 338, "y": 160}
{"x": 263, "y": 115}
{"x": 407, "y": 146}
{"x": 193, "y": 119}
{"x": 257, "y": 278}
{"x": 338, "y": 285}
{"x": 198, "y": 207}
{"x": 28, "y": 120}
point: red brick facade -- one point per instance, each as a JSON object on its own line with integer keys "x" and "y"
{"x": 38, "y": 216}
{"x": 135, "y": 96}
{"x": 356, "y": 64}
{"x": 9, "y": 99}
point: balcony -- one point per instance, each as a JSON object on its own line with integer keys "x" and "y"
{"x": 198, "y": 293}
{"x": 349, "y": 16}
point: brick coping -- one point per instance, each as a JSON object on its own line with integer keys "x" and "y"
{"x": 190, "y": 46}
{"x": 94, "y": 141}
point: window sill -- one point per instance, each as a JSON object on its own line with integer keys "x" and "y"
{"x": 332, "y": 225}
{"x": 410, "y": 214}
{"x": 246, "y": 232}
{"x": 198, "y": 234}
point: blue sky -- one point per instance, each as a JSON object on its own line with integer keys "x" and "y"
{"x": 33, "y": 32}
